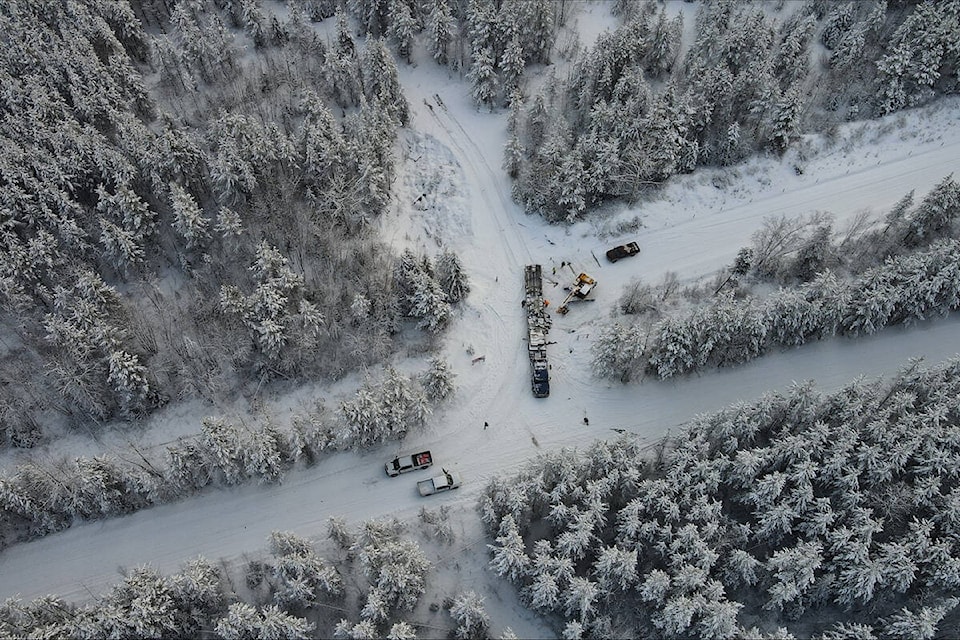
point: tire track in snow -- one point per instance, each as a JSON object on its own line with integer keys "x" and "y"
{"x": 509, "y": 232}
{"x": 502, "y": 376}
{"x": 487, "y": 185}
{"x": 721, "y": 230}
{"x": 861, "y": 185}
{"x": 505, "y": 203}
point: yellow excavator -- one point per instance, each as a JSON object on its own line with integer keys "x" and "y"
{"x": 581, "y": 288}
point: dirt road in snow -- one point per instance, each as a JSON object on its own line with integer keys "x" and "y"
{"x": 693, "y": 231}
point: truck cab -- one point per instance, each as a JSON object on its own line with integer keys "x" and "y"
{"x": 541, "y": 379}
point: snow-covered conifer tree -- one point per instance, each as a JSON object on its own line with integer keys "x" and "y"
{"x": 676, "y": 616}
{"x": 250, "y": 16}
{"x": 395, "y": 566}
{"x": 791, "y": 317}
{"x": 937, "y": 209}
{"x": 470, "y": 615}
{"x": 452, "y": 277}
{"x": 376, "y": 609}
{"x": 514, "y": 151}
{"x": 373, "y": 16}
{"x": 224, "y": 447}
{"x": 618, "y": 351}
{"x": 363, "y": 630}
{"x": 229, "y": 224}
{"x": 616, "y": 569}
{"x": 718, "y": 619}
{"x": 381, "y": 83}
{"x": 442, "y": 27}
{"x": 129, "y": 380}
{"x": 483, "y": 77}
{"x": 187, "y": 467}
{"x": 786, "y": 119}
{"x": 673, "y": 351}
{"x": 429, "y": 303}
{"x": 268, "y": 454}
{"x": 383, "y": 408}
{"x": 402, "y": 631}
{"x": 655, "y": 586}
{"x": 268, "y": 312}
{"x": 849, "y": 48}
{"x": 916, "y": 625}
{"x": 244, "y": 621}
{"x": 188, "y": 219}
{"x": 199, "y": 590}
{"x": 730, "y": 148}
{"x": 795, "y": 571}
{"x": 543, "y": 593}
{"x": 509, "y": 555}
{"x": 342, "y": 68}
{"x": 437, "y": 380}
{"x": 512, "y": 64}
{"x": 892, "y": 70}
{"x": 540, "y": 32}
{"x": 121, "y": 246}
{"x": 741, "y": 569}
{"x": 403, "y": 29}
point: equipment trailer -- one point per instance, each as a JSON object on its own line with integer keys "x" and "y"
{"x": 538, "y": 325}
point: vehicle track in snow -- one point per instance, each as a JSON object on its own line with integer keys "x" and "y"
{"x": 510, "y": 233}
{"x": 503, "y": 374}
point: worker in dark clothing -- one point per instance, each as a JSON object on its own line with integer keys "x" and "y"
{"x": 586, "y": 420}
{"x": 485, "y": 425}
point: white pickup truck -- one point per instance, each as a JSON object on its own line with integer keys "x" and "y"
{"x": 449, "y": 480}
{"x": 412, "y": 462}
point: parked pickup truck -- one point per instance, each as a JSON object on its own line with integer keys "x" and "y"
{"x": 413, "y": 462}
{"x": 449, "y": 480}
{"x": 623, "y": 251}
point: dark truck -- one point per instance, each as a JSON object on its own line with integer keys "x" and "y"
{"x": 541, "y": 379}
{"x": 623, "y": 251}
{"x": 413, "y": 462}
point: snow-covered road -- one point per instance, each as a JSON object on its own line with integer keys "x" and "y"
{"x": 694, "y": 230}
{"x": 87, "y": 558}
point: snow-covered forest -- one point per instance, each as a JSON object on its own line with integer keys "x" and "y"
{"x": 190, "y": 218}
{"x": 791, "y": 508}
{"x": 252, "y": 249}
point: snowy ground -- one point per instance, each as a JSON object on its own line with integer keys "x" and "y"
{"x": 450, "y": 192}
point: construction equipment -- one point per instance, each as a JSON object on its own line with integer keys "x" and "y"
{"x": 581, "y": 288}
